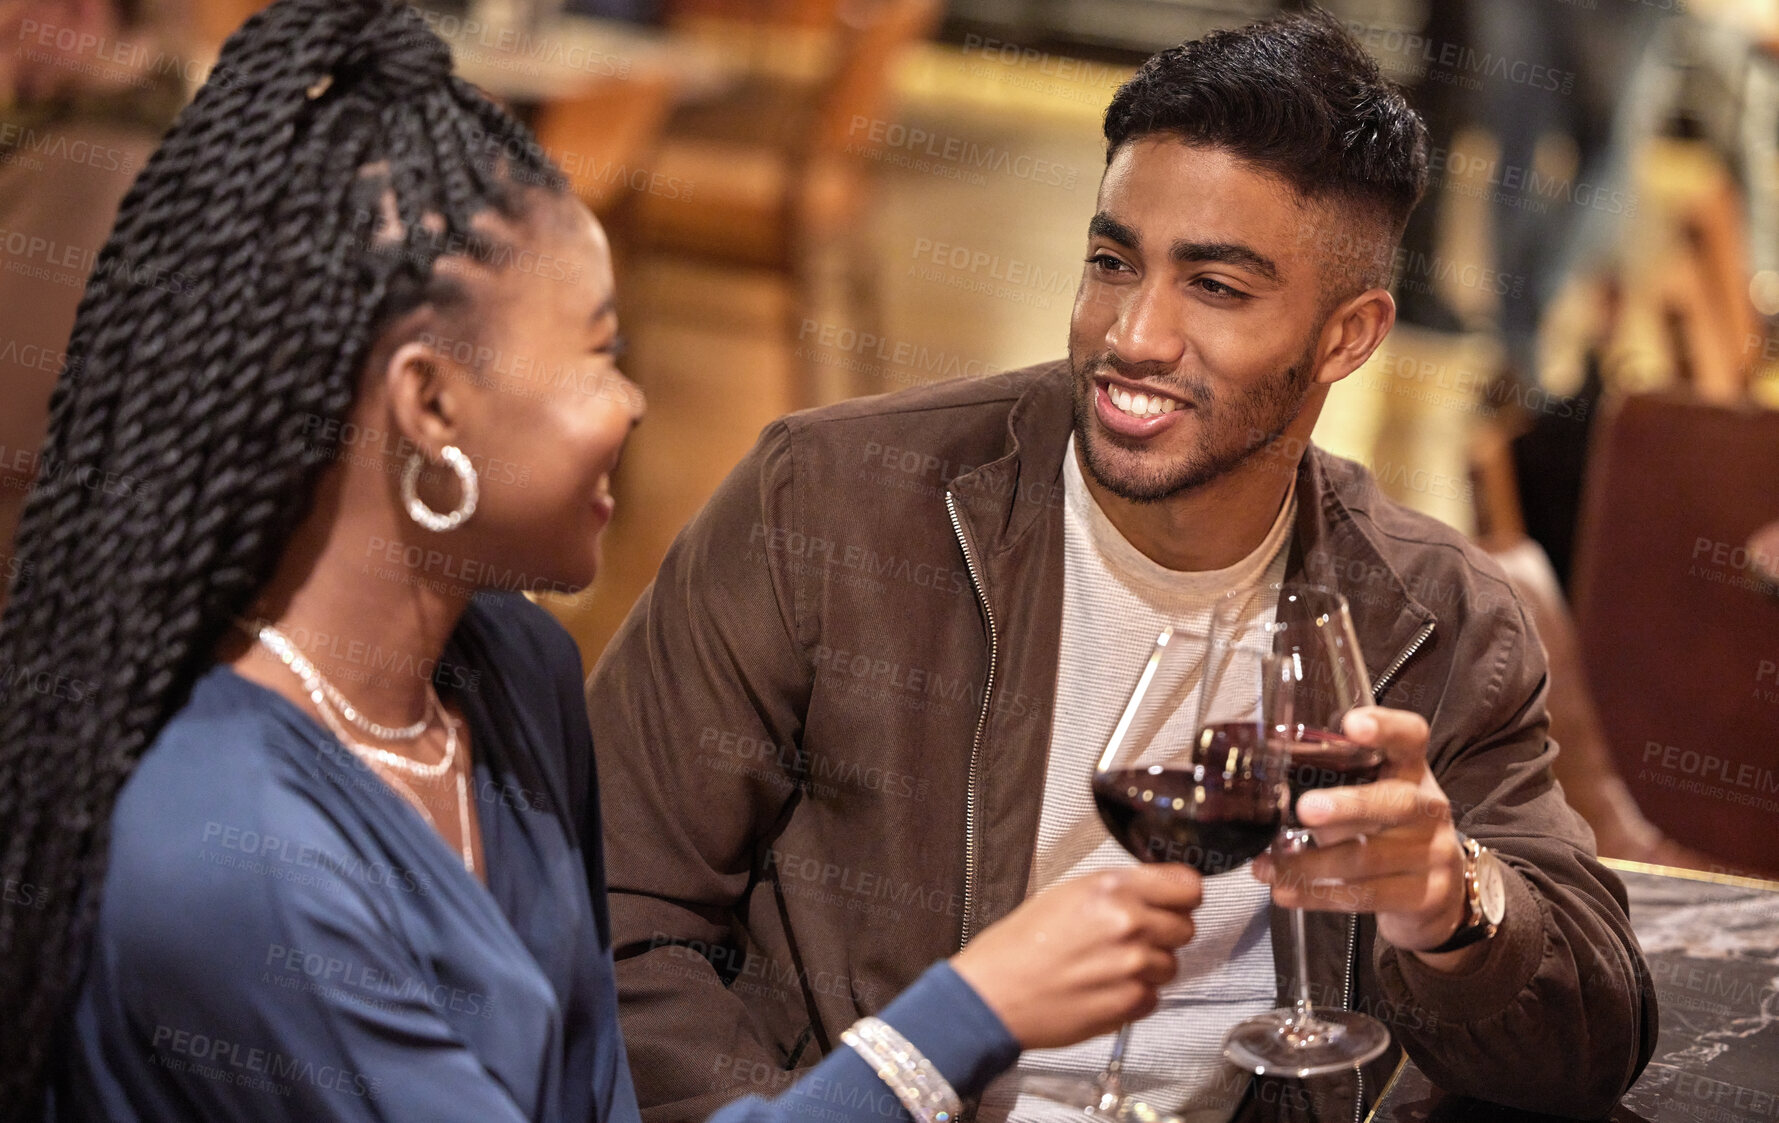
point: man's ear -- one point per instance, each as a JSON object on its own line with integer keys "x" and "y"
{"x": 423, "y": 402}
{"x": 1352, "y": 332}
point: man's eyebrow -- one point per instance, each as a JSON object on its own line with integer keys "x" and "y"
{"x": 1105, "y": 226}
{"x": 1229, "y": 253}
{"x": 606, "y": 308}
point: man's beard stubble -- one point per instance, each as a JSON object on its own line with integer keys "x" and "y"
{"x": 1232, "y": 432}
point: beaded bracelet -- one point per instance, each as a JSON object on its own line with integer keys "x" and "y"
{"x": 900, "y": 1065}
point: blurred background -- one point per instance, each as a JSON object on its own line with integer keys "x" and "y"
{"x": 816, "y": 199}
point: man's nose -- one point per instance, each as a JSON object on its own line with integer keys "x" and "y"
{"x": 1148, "y": 328}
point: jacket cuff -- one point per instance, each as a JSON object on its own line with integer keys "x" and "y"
{"x": 1487, "y": 988}
{"x": 943, "y": 1017}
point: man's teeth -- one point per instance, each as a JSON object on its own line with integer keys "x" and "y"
{"x": 1140, "y": 405}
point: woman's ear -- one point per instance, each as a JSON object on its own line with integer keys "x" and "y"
{"x": 423, "y": 399}
{"x": 1353, "y": 331}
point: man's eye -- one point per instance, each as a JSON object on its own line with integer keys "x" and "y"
{"x": 1218, "y": 288}
{"x": 615, "y": 349}
{"x": 1105, "y": 262}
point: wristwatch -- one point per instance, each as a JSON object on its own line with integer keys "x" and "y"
{"x": 1485, "y": 896}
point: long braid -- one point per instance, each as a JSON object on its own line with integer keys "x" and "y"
{"x": 231, "y": 309}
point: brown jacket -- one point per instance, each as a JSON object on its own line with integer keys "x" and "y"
{"x": 821, "y": 742}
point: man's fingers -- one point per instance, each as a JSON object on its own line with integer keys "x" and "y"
{"x": 1402, "y": 892}
{"x": 1359, "y": 859}
{"x": 1400, "y": 733}
{"x": 1365, "y": 808}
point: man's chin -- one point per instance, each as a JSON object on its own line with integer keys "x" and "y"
{"x": 1138, "y": 475}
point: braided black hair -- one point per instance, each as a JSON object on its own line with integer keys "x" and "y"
{"x": 248, "y": 274}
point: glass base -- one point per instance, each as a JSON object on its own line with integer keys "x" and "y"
{"x": 1327, "y": 1041}
{"x": 1093, "y": 1099}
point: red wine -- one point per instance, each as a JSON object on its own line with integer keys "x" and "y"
{"x": 1169, "y": 815}
{"x": 1320, "y": 759}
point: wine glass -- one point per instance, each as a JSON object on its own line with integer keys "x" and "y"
{"x": 1212, "y": 796}
{"x": 1311, "y": 632}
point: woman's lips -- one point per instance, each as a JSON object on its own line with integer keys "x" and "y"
{"x": 603, "y": 503}
{"x": 1128, "y": 424}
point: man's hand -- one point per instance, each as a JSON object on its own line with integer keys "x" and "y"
{"x": 1387, "y": 847}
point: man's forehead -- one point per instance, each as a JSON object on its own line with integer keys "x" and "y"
{"x": 1166, "y": 189}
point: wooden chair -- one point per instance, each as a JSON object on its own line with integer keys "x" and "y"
{"x": 1678, "y": 626}
{"x": 780, "y": 171}
{"x": 1586, "y": 766}
{"x": 603, "y": 138}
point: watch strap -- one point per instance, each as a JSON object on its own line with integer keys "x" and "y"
{"x": 1473, "y": 926}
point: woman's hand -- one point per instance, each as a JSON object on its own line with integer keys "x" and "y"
{"x": 1085, "y": 956}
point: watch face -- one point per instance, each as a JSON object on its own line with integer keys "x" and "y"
{"x": 1492, "y": 888}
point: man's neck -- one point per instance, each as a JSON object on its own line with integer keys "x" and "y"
{"x": 1210, "y": 527}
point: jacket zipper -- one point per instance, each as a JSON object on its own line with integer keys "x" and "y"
{"x": 1346, "y": 993}
{"x": 1414, "y": 645}
{"x": 1346, "y": 1003}
{"x": 988, "y": 613}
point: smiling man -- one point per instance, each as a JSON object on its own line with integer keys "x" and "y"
{"x": 875, "y": 672}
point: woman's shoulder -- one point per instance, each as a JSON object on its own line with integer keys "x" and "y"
{"x": 229, "y": 784}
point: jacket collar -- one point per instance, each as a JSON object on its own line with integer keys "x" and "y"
{"x": 1334, "y": 542}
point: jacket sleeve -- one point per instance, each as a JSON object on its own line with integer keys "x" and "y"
{"x": 940, "y": 1015}
{"x": 1562, "y": 1000}
{"x": 696, "y": 709}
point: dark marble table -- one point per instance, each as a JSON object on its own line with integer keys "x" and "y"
{"x": 1713, "y": 948}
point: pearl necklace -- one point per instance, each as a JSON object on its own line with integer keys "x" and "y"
{"x": 322, "y": 692}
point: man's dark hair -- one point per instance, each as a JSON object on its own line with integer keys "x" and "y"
{"x": 1296, "y": 97}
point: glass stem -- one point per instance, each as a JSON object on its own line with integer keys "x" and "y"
{"x": 1111, "y": 1087}
{"x": 1300, "y": 1009}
